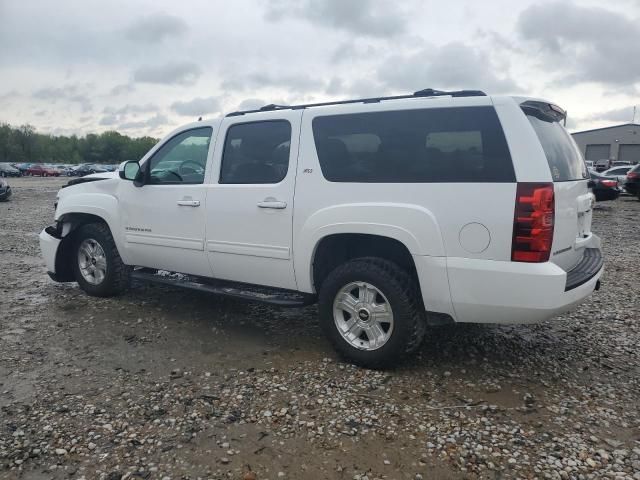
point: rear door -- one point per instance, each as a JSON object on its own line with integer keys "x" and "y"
{"x": 573, "y": 199}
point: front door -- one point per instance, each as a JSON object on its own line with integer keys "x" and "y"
{"x": 250, "y": 203}
{"x": 163, "y": 221}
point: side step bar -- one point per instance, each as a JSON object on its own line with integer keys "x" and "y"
{"x": 252, "y": 293}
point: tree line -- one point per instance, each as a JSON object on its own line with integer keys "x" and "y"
{"x": 24, "y": 144}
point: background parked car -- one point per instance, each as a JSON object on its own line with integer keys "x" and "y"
{"x": 65, "y": 170}
{"x": 604, "y": 188}
{"x": 38, "y": 170}
{"x": 621, "y": 163}
{"x": 83, "y": 169}
{"x": 632, "y": 184}
{"x": 7, "y": 170}
{"x": 5, "y": 190}
{"x": 23, "y": 167}
{"x": 602, "y": 165}
{"x": 99, "y": 168}
{"x": 619, "y": 173}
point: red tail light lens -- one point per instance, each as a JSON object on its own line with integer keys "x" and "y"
{"x": 633, "y": 175}
{"x": 609, "y": 183}
{"x": 533, "y": 222}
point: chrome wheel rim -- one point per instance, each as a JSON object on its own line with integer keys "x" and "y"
{"x": 363, "y": 316}
{"x": 92, "y": 261}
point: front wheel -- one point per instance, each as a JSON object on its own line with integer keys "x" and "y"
{"x": 370, "y": 310}
{"x": 98, "y": 268}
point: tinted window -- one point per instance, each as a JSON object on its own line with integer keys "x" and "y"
{"x": 412, "y": 146}
{"x": 256, "y": 152}
{"x": 182, "y": 159}
{"x": 563, "y": 156}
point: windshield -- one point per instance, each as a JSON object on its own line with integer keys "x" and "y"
{"x": 564, "y": 158}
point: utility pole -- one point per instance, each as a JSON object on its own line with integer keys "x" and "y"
{"x": 634, "y": 115}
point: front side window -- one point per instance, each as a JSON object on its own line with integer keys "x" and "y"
{"x": 183, "y": 159}
{"x": 256, "y": 152}
{"x": 464, "y": 144}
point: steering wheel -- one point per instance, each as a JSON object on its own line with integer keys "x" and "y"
{"x": 174, "y": 173}
{"x": 187, "y": 162}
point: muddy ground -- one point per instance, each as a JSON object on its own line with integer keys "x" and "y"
{"x": 171, "y": 384}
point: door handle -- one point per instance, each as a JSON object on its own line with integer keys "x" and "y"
{"x": 272, "y": 203}
{"x": 189, "y": 203}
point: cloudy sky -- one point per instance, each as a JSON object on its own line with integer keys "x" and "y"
{"x": 145, "y": 67}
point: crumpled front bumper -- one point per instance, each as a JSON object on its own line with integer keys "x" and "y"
{"x": 49, "y": 244}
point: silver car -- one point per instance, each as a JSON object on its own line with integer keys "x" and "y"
{"x": 620, "y": 173}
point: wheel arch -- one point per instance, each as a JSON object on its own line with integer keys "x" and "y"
{"x": 69, "y": 223}
{"x": 414, "y": 227}
{"x": 337, "y": 248}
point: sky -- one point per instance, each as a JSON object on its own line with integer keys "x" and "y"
{"x": 145, "y": 67}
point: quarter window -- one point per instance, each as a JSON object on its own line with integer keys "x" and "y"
{"x": 564, "y": 159}
{"x": 464, "y": 144}
{"x": 182, "y": 159}
{"x": 256, "y": 152}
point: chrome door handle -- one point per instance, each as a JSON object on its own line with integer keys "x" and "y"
{"x": 272, "y": 203}
{"x": 189, "y": 203}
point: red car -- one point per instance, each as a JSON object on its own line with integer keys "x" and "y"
{"x": 42, "y": 171}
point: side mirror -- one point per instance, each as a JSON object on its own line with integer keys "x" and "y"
{"x": 130, "y": 170}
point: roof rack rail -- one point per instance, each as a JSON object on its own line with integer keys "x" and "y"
{"x": 427, "y": 92}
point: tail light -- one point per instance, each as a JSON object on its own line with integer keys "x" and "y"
{"x": 533, "y": 222}
{"x": 631, "y": 175}
{"x": 609, "y": 183}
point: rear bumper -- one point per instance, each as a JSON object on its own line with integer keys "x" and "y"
{"x": 591, "y": 263}
{"x": 484, "y": 291}
{"x": 49, "y": 247}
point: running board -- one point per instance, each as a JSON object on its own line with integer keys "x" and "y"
{"x": 252, "y": 293}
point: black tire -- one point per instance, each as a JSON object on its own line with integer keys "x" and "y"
{"x": 402, "y": 293}
{"x": 117, "y": 276}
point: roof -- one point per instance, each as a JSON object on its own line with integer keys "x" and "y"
{"x": 608, "y": 128}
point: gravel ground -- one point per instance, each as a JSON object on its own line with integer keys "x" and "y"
{"x": 172, "y": 384}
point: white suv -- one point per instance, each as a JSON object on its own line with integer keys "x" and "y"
{"x": 393, "y": 213}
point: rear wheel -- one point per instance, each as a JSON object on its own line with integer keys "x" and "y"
{"x": 98, "y": 268}
{"x": 370, "y": 310}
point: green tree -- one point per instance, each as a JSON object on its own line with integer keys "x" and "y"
{"x": 24, "y": 144}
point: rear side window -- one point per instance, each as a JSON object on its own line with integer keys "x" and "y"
{"x": 563, "y": 156}
{"x": 464, "y": 144}
{"x": 256, "y": 152}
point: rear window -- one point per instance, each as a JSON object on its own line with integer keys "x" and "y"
{"x": 464, "y": 144}
{"x": 564, "y": 158}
